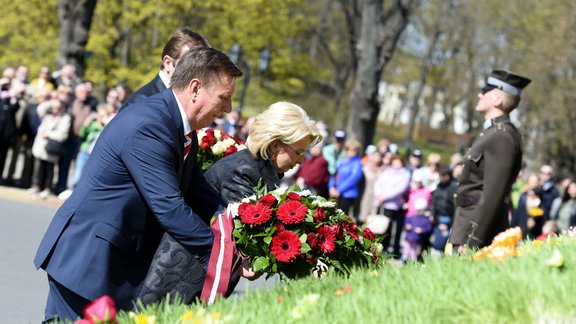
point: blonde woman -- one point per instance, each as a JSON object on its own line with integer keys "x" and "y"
{"x": 277, "y": 141}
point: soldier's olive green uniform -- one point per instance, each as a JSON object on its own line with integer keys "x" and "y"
{"x": 490, "y": 167}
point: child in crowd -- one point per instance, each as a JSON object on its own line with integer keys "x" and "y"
{"x": 417, "y": 228}
{"x": 548, "y": 229}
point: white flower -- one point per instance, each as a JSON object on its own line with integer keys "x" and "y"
{"x": 219, "y": 148}
{"x": 305, "y": 193}
{"x": 229, "y": 142}
{"x": 201, "y": 134}
{"x": 323, "y": 204}
{"x": 240, "y": 147}
{"x": 217, "y": 134}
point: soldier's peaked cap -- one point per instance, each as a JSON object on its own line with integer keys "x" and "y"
{"x": 506, "y": 81}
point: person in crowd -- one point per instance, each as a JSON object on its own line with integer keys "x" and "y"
{"x": 55, "y": 124}
{"x": 390, "y": 191}
{"x": 66, "y": 77}
{"x": 528, "y": 213}
{"x": 415, "y": 161}
{"x": 88, "y": 134}
{"x": 142, "y": 167}
{"x": 417, "y": 191}
{"x": 371, "y": 169}
{"x": 548, "y": 190}
{"x": 180, "y": 42}
{"x": 430, "y": 174}
{"x": 21, "y": 76}
{"x": 231, "y": 122}
{"x": 344, "y": 185}
{"x": 42, "y": 82}
{"x": 549, "y": 229}
{"x": 80, "y": 108}
{"x": 442, "y": 209}
{"x": 491, "y": 165}
{"x": 113, "y": 101}
{"x": 9, "y": 105}
{"x": 383, "y": 146}
{"x": 278, "y": 140}
{"x": 29, "y": 129}
{"x": 122, "y": 91}
{"x": 417, "y": 228}
{"x": 91, "y": 100}
{"x": 313, "y": 173}
{"x": 565, "y": 217}
{"x": 334, "y": 152}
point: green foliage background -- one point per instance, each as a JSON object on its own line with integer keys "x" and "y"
{"x": 311, "y": 47}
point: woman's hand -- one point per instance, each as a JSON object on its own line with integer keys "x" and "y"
{"x": 245, "y": 270}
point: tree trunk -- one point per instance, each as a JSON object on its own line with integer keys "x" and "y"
{"x": 379, "y": 34}
{"x": 75, "y": 18}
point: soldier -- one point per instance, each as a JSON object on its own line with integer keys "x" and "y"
{"x": 490, "y": 167}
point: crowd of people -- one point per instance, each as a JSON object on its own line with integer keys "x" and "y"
{"x": 56, "y": 107}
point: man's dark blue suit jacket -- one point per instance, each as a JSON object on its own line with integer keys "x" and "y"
{"x": 149, "y": 89}
{"x": 135, "y": 186}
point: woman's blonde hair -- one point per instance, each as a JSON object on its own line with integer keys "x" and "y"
{"x": 282, "y": 122}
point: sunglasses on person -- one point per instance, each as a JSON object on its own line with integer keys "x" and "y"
{"x": 298, "y": 153}
{"x": 487, "y": 88}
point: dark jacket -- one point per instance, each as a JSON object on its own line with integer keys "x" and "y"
{"x": 443, "y": 200}
{"x": 149, "y": 89}
{"x": 490, "y": 167}
{"x": 236, "y": 175}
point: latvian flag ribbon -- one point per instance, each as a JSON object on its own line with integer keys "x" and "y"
{"x": 221, "y": 264}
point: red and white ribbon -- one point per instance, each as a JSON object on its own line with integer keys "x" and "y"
{"x": 220, "y": 266}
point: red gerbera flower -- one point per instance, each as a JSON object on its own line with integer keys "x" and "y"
{"x": 292, "y": 212}
{"x": 326, "y": 238}
{"x": 286, "y": 246}
{"x": 268, "y": 200}
{"x": 367, "y": 234}
{"x": 256, "y": 214}
{"x": 319, "y": 215}
{"x": 242, "y": 207}
{"x": 293, "y": 196}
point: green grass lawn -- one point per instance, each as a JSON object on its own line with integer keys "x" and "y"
{"x": 530, "y": 288}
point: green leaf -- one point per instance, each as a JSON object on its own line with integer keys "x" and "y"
{"x": 261, "y": 263}
{"x": 303, "y": 238}
{"x": 267, "y": 240}
{"x": 305, "y": 247}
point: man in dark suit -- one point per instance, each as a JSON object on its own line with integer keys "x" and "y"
{"x": 135, "y": 188}
{"x": 490, "y": 166}
{"x": 181, "y": 41}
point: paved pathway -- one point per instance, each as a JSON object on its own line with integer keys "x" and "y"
{"x": 23, "y": 220}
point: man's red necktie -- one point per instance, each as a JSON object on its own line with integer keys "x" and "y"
{"x": 188, "y": 144}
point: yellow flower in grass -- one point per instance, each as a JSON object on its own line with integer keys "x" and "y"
{"x": 187, "y": 317}
{"x": 142, "y": 318}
